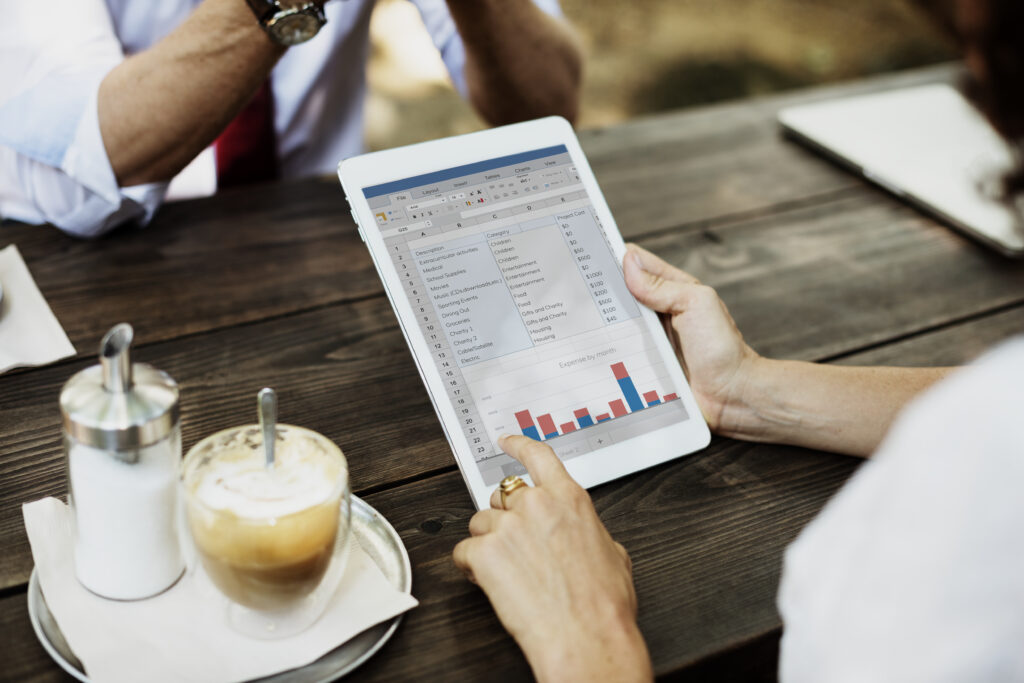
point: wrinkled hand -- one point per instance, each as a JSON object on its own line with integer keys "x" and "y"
{"x": 558, "y": 582}
{"x": 716, "y": 360}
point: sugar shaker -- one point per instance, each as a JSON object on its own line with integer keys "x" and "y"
{"x": 122, "y": 445}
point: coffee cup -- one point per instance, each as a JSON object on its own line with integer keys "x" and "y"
{"x": 272, "y": 538}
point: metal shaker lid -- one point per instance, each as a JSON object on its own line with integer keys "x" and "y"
{"x": 117, "y": 405}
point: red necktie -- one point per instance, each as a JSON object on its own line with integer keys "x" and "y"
{"x": 246, "y": 150}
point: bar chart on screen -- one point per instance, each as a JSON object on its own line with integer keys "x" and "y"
{"x": 604, "y": 382}
{"x": 544, "y": 429}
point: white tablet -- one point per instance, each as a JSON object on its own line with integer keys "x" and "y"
{"x": 504, "y": 267}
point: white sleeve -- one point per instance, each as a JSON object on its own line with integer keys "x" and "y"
{"x": 53, "y": 164}
{"x": 913, "y": 572}
{"x": 446, "y": 38}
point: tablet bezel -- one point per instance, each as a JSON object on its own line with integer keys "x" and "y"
{"x": 590, "y": 469}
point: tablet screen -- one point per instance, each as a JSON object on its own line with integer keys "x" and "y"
{"x": 523, "y": 306}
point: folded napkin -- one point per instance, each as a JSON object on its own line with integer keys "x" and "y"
{"x": 182, "y": 634}
{"x": 29, "y": 332}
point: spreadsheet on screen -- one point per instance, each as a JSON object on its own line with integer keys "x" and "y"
{"x": 523, "y": 306}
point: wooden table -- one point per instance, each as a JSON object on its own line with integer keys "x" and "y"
{"x": 272, "y": 286}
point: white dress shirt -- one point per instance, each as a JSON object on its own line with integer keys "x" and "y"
{"x": 914, "y": 571}
{"x": 53, "y": 56}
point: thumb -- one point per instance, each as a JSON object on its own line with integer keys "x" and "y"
{"x": 654, "y": 290}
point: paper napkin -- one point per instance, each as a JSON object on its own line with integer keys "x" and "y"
{"x": 182, "y": 634}
{"x": 29, "y": 332}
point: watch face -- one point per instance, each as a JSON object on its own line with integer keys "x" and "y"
{"x": 294, "y": 28}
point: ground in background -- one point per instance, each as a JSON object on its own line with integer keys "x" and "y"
{"x": 645, "y": 56}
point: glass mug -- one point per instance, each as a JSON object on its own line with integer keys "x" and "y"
{"x": 274, "y": 540}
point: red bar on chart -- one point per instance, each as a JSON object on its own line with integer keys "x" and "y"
{"x": 526, "y": 425}
{"x": 568, "y": 427}
{"x": 620, "y": 371}
{"x": 618, "y": 407}
{"x": 547, "y": 425}
{"x": 602, "y": 417}
{"x": 670, "y": 397}
{"x": 650, "y": 396}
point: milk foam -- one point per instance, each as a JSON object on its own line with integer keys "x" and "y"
{"x": 238, "y": 482}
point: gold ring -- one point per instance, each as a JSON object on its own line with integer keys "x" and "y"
{"x": 508, "y": 485}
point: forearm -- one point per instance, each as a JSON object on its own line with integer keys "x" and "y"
{"x": 614, "y": 653}
{"x": 521, "y": 63}
{"x": 159, "y": 108}
{"x": 828, "y": 407}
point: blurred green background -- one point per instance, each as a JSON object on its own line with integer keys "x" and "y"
{"x": 645, "y": 56}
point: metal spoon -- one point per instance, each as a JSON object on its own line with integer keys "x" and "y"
{"x": 267, "y": 403}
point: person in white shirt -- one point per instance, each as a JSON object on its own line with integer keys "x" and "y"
{"x": 913, "y": 572}
{"x": 103, "y": 102}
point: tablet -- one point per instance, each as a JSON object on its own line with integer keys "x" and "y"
{"x": 504, "y": 267}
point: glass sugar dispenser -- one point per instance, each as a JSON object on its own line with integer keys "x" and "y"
{"x": 122, "y": 446}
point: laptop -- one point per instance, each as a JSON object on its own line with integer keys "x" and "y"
{"x": 927, "y": 145}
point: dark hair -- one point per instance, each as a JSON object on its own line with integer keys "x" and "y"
{"x": 991, "y": 32}
{"x": 999, "y": 92}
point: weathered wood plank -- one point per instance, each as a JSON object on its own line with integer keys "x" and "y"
{"x": 699, "y": 166}
{"x": 829, "y": 279}
{"x": 690, "y": 124}
{"x": 706, "y": 535}
{"x": 274, "y": 249}
{"x": 954, "y": 345}
{"x": 241, "y": 256}
{"x": 713, "y": 523}
{"x": 344, "y": 371}
{"x": 682, "y": 523}
{"x": 22, "y": 658}
{"x": 809, "y": 284}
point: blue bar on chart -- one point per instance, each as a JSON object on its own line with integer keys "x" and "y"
{"x": 526, "y": 424}
{"x": 583, "y": 417}
{"x": 547, "y": 429}
{"x": 628, "y": 389}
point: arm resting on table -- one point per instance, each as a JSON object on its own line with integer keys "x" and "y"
{"x": 827, "y": 407}
{"x": 88, "y": 139}
{"x": 745, "y": 396}
{"x": 160, "y": 108}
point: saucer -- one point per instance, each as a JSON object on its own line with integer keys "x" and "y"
{"x": 376, "y": 537}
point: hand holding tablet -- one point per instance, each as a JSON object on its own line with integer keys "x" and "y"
{"x": 503, "y": 264}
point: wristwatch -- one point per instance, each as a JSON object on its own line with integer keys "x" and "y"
{"x": 290, "y": 23}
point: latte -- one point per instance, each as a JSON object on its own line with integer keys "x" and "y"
{"x": 265, "y": 535}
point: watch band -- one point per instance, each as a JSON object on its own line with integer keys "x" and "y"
{"x": 263, "y": 9}
{"x": 291, "y": 25}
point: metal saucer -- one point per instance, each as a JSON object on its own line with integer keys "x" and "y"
{"x": 377, "y": 538}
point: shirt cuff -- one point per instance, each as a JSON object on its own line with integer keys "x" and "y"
{"x": 57, "y": 170}
{"x": 87, "y": 162}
